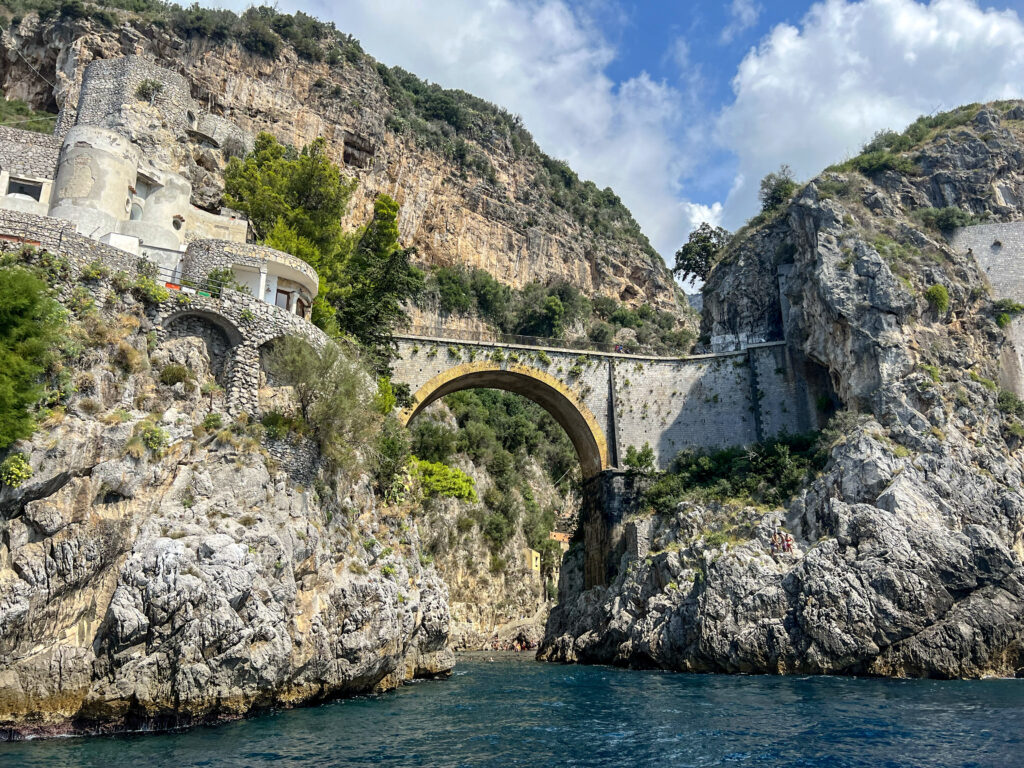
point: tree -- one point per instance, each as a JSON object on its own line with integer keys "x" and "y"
{"x": 642, "y": 460}
{"x": 29, "y": 322}
{"x": 377, "y": 279}
{"x": 776, "y": 189}
{"x": 303, "y": 192}
{"x": 698, "y": 256}
{"x": 295, "y": 202}
{"x": 334, "y": 393}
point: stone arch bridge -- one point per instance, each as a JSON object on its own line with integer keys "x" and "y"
{"x": 607, "y": 402}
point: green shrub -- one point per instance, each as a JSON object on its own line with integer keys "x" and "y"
{"x": 95, "y": 271}
{"x": 432, "y": 441}
{"x": 441, "y": 480}
{"x": 153, "y": 436}
{"x": 148, "y": 90}
{"x": 17, "y": 113}
{"x": 15, "y": 470}
{"x": 986, "y": 383}
{"x": 716, "y": 538}
{"x": 766, "y": 473}
{"x": 279, "y": 425}
{"x": 30, "y": 322}
{"x": 331, "y": 388}
{"x": 147, "y": 289}
{"x": 213, "y": 421}
{"x": 1003, "y": 319}
{"x": 776, "y": 189}
{"x": 937, "y": 297}
{"x": 174, "y": 373}
{"x": 877, "y": 161}
{"x": 121, "y": 282}
{"x": 642, "y": 460}
{"x": 945, "y": 219}
{"x": 1007, "y": 402}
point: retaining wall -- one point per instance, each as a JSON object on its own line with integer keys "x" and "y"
{"x": 247, "y": 322}
{"x": 999, "y": 251}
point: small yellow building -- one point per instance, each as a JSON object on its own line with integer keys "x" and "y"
{"x": 531, "y": 557}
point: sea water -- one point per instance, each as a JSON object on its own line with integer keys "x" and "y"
{"x": 507, "y": 710}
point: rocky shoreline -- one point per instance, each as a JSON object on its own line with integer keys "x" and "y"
{"x": 910, "y": 542}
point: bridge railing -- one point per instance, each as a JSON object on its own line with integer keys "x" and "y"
{"x": 455, "y": 334}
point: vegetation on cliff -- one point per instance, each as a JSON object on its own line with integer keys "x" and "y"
{"x": 502, "y": 431}
{"x": 30, "y": 324}
{"x": 17, "y": 114}
{"x": 295, "y": 201}
{"x": 552, "y": 311}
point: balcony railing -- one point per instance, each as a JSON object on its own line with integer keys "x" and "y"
{"x": 202, "y": 286}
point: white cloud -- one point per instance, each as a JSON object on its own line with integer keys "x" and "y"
{"x": 743, "y": 14}
{"x": 810, "y": 96}
{"x": 545, "y": 61}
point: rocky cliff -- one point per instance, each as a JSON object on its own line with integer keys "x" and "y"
{"x": 473, "y": 187}
{"x": 909, "y": 544}
{"x": 165, "y": 566}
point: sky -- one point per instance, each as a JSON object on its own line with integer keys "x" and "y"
{"x": 682, "y": 107}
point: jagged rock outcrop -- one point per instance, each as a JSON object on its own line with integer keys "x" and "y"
{"x": 509, "y": 224}
{"x": 145, "y": 585}
{"x": 909, "y": 546}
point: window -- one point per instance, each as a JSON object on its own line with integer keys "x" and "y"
{"x": 144, "y": 186}
{"x": 33, "y": 189}
{"x": 282, "y": 298}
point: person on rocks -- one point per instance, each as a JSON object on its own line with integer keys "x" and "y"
{"x": 788, "y": 543}
{"x": 775, "y": 542}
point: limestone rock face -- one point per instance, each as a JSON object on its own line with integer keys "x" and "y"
{"x": 490, "y": 606}
{"x": 140, "y": 590}
{"x": 909, "y": 546}
{"x": 508, "y": 225}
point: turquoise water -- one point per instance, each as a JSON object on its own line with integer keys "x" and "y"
{"x": 514, "y": 711}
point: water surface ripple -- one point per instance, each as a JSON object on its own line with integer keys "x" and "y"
{"x": 513, "y": 711}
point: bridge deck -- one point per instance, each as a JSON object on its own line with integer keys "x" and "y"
{"x": 455, "y": 339}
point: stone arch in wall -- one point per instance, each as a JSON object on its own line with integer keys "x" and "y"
{"x": 551, "y": 394}
{"x": 219, "y": 334}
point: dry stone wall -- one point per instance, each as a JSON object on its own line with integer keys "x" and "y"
{"x": 245, "y": 321}
{"x": 27, "y": 153}
{"x": 203, "y": 256}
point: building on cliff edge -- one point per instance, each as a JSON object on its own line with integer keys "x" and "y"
{"x": 116, "y": 170}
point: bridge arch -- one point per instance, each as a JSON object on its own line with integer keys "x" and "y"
{"x": 551, "y": 394}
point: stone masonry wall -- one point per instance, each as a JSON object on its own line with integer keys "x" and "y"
{"x": 27, "y": 153}
{"x": 247, "y": 322}
{"x": 110, "y": 85}
{"x": 999, "y": 251}
{"x": 203, "y": 256}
